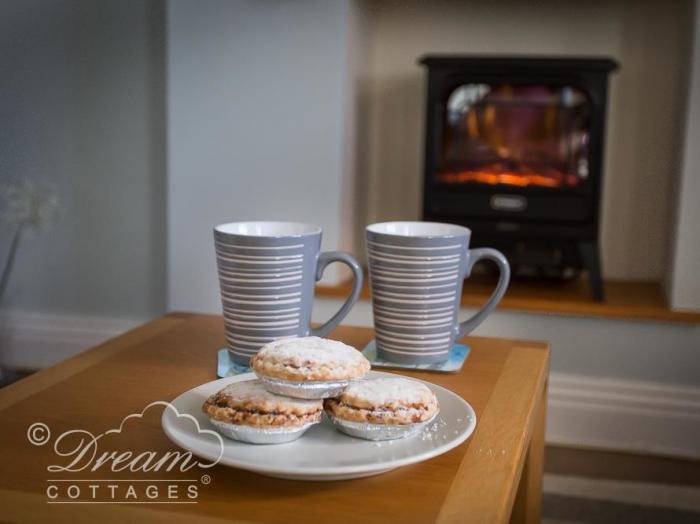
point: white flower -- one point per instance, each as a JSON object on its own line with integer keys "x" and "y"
{"x": 23, "y": 202}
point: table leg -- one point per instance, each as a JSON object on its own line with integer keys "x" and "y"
{"x": 528, "y": 500}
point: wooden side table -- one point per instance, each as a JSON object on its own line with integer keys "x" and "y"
{"x": 495, "y": 476}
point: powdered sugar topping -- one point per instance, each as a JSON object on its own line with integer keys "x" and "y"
{"x": 302, "y": 350}
{"x": 388, "y": 392}
{"x": 253, "y": 392}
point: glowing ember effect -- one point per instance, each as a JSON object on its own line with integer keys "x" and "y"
{"x": 495, "y": 175}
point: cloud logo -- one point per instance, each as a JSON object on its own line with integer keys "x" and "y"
{"x": 187, "y": 416}
{"x": 81, "y": 448}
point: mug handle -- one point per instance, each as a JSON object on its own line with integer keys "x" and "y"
{"x": 324, "y": 259}
{"x": 473, "y": 256}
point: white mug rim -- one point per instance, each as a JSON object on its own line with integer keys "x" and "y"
{"x": 293, "y": 229}
{"x": 450, "y": 230}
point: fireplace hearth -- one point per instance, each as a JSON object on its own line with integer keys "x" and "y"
{"x": 514, "y": 150}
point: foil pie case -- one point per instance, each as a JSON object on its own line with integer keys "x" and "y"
{"x": 258, "y": 435}
{"x": 306, "y": 390}
{"x": 315, "y": 390}
{"x": 369, "y": 431}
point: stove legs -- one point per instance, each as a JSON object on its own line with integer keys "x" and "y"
{"x": 591, "y": 261}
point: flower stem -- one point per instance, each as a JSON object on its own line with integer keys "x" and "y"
{"x": 10, "y": 260}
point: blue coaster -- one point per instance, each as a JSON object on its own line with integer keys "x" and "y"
{"x": 458, "y": 354}
{"x": 226, "y": 367}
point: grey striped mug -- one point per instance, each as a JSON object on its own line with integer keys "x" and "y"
{"x": 267, "y": 272}
{"x": 416, "y": 271}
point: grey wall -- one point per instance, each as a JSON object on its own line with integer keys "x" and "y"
{"x": 257, "y": 95}
{"x": 81, "y": 109}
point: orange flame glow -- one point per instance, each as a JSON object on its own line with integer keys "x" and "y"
{"x": 495, "y": 175}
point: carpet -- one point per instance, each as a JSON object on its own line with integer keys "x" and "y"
{"x": 578, "y": 500}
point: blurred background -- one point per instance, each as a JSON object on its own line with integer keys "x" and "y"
{"x": 130, "y": 128}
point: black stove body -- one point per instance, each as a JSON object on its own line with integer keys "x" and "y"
{"x": 514, "y": 151}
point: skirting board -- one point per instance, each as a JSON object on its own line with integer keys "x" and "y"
{"x": 583, "y": 411}
{"x": 622, "y": 414}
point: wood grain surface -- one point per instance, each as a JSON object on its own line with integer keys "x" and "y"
{"x": 504, "y": 380}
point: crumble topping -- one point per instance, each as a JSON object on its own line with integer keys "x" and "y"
{"x": 249, "y": 403}
{"x": 394, "y": 393}
{"x": 385, "y": 401}
{"x": 309, "y": 358}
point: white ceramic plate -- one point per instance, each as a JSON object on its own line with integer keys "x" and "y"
{"x": 322, "y": 453}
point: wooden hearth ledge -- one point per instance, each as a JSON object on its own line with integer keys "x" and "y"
{"x": 624, "y": 300}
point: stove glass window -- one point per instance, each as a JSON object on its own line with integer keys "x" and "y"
{"x": 515, "y": 135}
